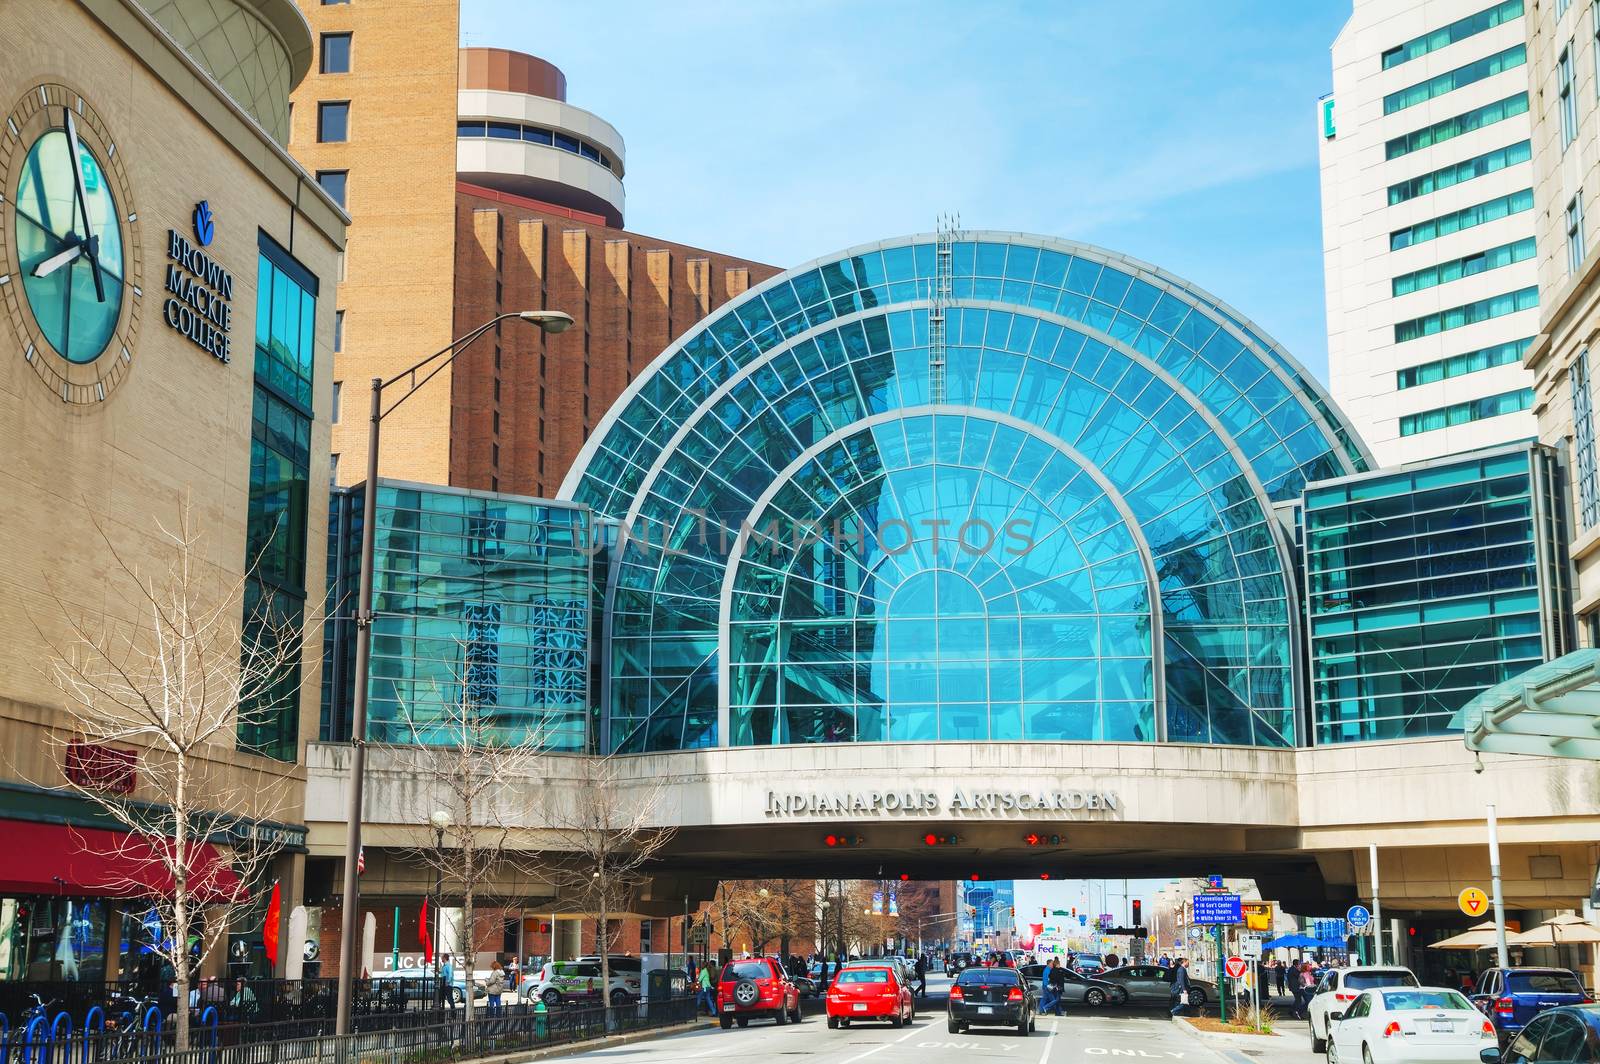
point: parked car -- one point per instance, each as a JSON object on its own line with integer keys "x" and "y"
{"x": 991, "y": 997}
{"x": 627, "y": 976}
{"x": 1512, "y": 997}
{"x": 753, "y": 989}
{"x": 1150, "y": 984}
{"x": 1409, "y": 1025}
{"x": 1079, "y": 988}
{"x": 1568, "y": 1033}
{"x": 417, "y": 984}
{"x": 870, "y": 992}
{"x": 565, "y": 982}
{"x": 1338, "y": 987}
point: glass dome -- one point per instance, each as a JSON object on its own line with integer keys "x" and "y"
{"x": 1063, "y": 530}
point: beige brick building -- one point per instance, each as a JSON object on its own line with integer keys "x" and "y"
{"x": 121, "y": 403}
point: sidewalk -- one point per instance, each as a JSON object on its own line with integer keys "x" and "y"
{"x": 1288, "y": 1044}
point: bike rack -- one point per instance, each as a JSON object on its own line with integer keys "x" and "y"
{"x": 94, "y": 1022}
{"x": 29, "y": 1056}
{"x": 153, "y": 1012}
{"x": 62, "y": 1022}
{"x": 208, "y": 1020}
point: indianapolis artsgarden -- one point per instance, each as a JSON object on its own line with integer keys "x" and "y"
{"x": 988, "y": 488}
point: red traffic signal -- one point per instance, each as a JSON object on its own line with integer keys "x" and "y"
{"x": 974, "y": 877}
{"x": 1033, "y": 838}
{"x": 934, "y": 839}
{"x": 839, "y": 840}
{"x": 904, "y": 876}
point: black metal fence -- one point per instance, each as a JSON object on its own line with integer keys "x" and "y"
{"x": 233, "y": 1001}
{"x": 421, "y": 1037}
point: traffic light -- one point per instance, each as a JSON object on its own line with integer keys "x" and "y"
{"x": 935, "y": 839}
{"x": 1138, "y": 913}
{"x": 904, "y": 876}
{"x": 973, "y": 877}
{"x": 1033, "y": 838}
{"x": 837, "y": 840}
{"x": 1074, "y": 910}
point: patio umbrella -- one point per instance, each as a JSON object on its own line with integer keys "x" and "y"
{"x": 1478, "y": 936}
{"x": 1563, "y": 930}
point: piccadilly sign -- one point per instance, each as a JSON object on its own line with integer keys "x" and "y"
{"x": 935, "y": 803}
{"x": 199, "y": 291}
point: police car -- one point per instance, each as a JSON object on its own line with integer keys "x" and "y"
{"x": 579, "y": 982}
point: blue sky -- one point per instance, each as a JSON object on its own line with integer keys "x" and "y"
{"x": 1178, "y": 132}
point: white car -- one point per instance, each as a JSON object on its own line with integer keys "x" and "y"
{"x": 578, "y": 982}
{"x": 1410, "y": 1025}
{"x": 1338, "y": 987}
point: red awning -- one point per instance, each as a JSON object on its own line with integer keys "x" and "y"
{"x": 60, "y": 859}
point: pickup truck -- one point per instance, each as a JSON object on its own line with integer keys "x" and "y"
{"x": 1512, "y": 997}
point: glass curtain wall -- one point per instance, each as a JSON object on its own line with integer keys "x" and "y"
{"x": 1427, "y": 585}
{"x": 280, "y": 476}
{"x": 482, "y": 605}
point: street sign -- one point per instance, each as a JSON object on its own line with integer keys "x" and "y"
{"x": 1358, "y": 916}
{"x": 1195, "y": 932}
{"x": 1473, "y": 901}
{"x": 1236, "y": 967}
{"x": 1250, "y": 947}
{"x": 1218, "y": 909}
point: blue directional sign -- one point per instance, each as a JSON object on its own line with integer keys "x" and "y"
{"x": 1358, "y": 916}
{"x": 1217, "y": 908}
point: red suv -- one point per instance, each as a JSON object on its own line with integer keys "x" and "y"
{"x": 753, "y": 988}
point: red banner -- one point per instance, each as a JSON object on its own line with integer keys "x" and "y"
{"x": 422, "y": 933}
{"x": 269, "y": 933}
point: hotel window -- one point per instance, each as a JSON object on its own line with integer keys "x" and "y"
{"x": 338, "y": 389}
{"x": 1569, "y": 102}
{"x": 333, "y": 122}
{"x": 1575, "y": 250}
{"x": 335, "y": 53}
{"x": 338, "y": 331}
{"x": 333, "y": 182}
{"x": 279, "y": 492}
{"x": 1583, "y": 442}
{"x": 1464, "y": 413}
{"x": 333, "y": 468}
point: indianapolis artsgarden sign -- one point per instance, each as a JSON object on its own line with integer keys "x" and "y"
{"x": 933, "y": 803}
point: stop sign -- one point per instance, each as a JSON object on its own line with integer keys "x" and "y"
{"x": 1236, "y": 967}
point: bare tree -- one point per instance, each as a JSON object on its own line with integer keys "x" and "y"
{"x": 470, "y": 761}
{"x": 155, "y": 704}
{"x": 753, "y": 905}
{"x": 610, "y": 827}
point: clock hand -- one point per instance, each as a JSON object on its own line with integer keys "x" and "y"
{"x": 58, "y": 260}
{"x": 83, "y": 204}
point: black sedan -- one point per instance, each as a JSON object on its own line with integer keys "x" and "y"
{"x": 1079, "y": 988}
{"x": 992, "y": 997}
{"x": 1567, "y": 1033}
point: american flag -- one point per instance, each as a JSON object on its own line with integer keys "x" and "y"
{"x": 361, "y": 861}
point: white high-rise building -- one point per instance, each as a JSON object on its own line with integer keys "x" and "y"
{"x": 1428, "y": 225}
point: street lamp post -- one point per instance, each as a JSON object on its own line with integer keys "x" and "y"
{"x": 550, "y": 321}
{"x": 440, "y": 821}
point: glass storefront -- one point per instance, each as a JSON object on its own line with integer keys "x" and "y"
{"x": 46, "y": 939}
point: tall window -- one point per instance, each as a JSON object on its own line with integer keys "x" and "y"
{"x": 1569, "y": 102}
{"x": 334, "y": 183}
{"x": 335, "y": 53}
{"x": 280, "y": 473}
{"x": 338, "y": 331}
{"x": 1583, "y": 442}
{"x": 1575, "y": 249}
{"x": 333, "y": 122}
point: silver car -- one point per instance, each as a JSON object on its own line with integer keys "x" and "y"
{"x": 1150, "y": 984}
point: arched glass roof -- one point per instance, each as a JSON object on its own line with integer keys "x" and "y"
{"x": 1134, "y": 411}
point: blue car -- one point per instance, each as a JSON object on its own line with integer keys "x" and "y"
{"x": 1569, "y": 1033}
{"x": 1512, "y": 997}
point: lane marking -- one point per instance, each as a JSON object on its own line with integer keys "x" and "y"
{"x": 881, "y": 1046}
{"x": 1049, "y": 1041}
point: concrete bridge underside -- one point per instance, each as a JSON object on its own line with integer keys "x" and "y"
{"x": 1298, "y": 821}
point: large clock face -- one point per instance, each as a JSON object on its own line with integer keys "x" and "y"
{"x": 72, "y": 254}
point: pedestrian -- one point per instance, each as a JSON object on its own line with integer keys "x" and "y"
{"x": 495, "y": 986}
{"x": 1305, "y": 987}
{"x": 922, "y": 975}
{"x": 1056, "y": 985}
{"x": 1180, "y": 986}
{"x": 243, "y": 1004}
{"x": 1164, "y": 962}
{"x": 707, "y": 997}
{"x": 1283, "y": 978}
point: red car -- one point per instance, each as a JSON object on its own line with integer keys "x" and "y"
{"x": 869, "y": 994}
{"x": 756, "y": 988}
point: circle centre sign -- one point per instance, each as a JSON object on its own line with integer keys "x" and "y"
{"x": 1473, "y": 901}
{"x": 1236, "y": 967}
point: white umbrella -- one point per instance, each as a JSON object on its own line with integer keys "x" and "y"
{"x": 369, "y": 936}
{"x": 295, "y": 963}
{"x": 1563, "y": 930}
{"x": 1479, "y": 936}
